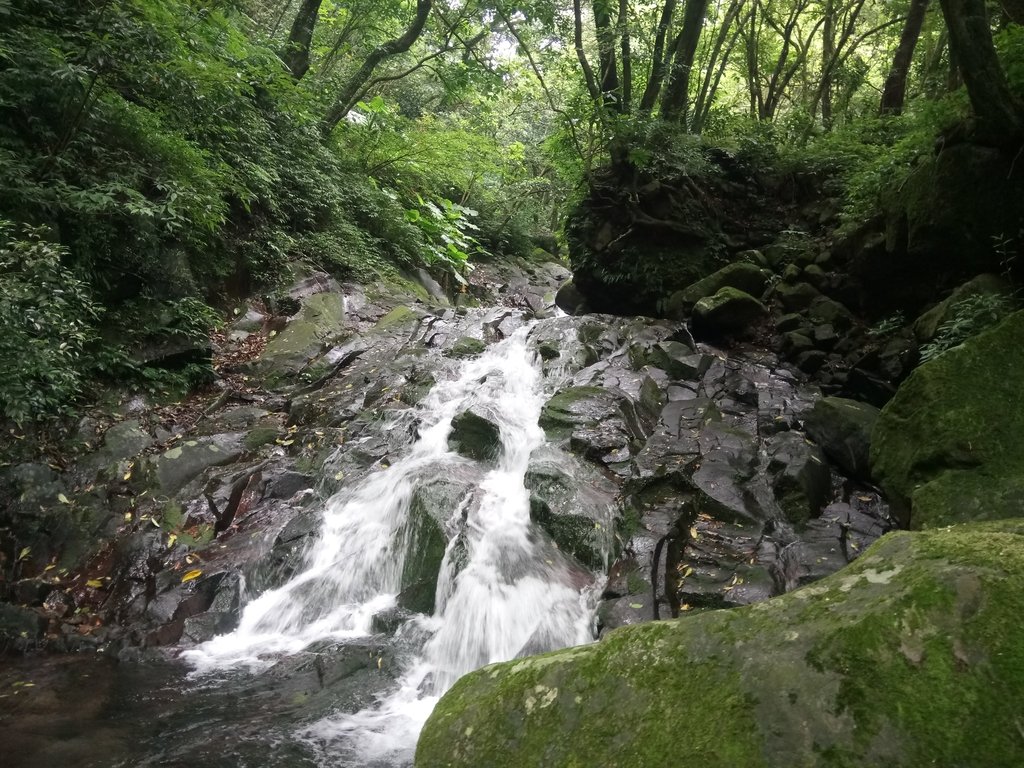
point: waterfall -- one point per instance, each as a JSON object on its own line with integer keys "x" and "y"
{"x": 504, "y": 589}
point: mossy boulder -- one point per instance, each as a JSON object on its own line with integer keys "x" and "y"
{"x": 321, "y": 320}
{"x": 842, "y": 428}
{"x": 950, "y": 446}
{"x": 744, "y": 276}
{"x": 475, "y": 435}
{"x": 909, "y": 657}
{"x": 177, "y": 466}
{"x": 465, "y": 347}
{"x": 927, "y": 325}
{"x": 729, "y": 312}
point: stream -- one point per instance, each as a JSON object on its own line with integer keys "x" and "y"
{"x": 462, "y": 509}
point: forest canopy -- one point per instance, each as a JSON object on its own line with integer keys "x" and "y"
{"x": 158, "y": 157}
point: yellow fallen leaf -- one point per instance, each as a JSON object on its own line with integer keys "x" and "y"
{"x": 63, "y": 499}
{"x": 171, "y": 539}
{"x": 693, "y": 532}
{"x": 94, "y": 583}
{"x": 195, "y": 573}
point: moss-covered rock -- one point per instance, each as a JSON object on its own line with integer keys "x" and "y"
{"x": 321, "y": 319}
{"x": 909, "y": 657}
{"x": 744, "y": 276}
{"x": 927, "y": 325}
{"x": 730, "y": 311}
{"x": 475, "y": 435}
{"x": 950, "y": 446}
{"x": 466, "y": 347}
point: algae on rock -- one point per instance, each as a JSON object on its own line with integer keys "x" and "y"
{"x": 907, "y": 658}
{"x": 950, "y": 446}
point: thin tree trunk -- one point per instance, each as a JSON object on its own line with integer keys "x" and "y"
{"x": 345, "y": 101}
{"x": 658, "y": 63}
{"x": 627, "y": 57}
{"x": 828, "y": 52}
{"x": 675, "y": 102}
{"x": 610, "y": 87}
{"x": 894, "y": 92}
{"x": 296, "y": 51}
{"x": 711, "y": 66}
{"x": 707, "y": 97}
{"x": 581, "y": 54}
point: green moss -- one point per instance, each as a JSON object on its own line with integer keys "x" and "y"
{"x": 909, "y": 657}
{"x": 396, "y": 318}
{"x": 955, "y": 416}
{"x": 260, "y": 436}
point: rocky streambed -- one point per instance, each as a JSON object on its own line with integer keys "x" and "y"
{"x": 657, "y": 477}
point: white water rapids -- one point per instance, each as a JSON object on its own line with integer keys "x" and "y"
{"x": 503, "y": 591}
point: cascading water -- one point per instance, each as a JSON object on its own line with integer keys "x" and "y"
{"x": 504, "y": 589}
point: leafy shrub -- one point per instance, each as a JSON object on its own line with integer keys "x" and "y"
{"x": 47, "y": 322}
{"x": 970, "y": 316}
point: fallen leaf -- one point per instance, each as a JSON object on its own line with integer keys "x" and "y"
{"x": 94, "y": 583}
{"x": 63, "y": 499}
{"x": 195, "y": 573}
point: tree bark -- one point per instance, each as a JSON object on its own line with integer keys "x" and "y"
{"x": 675, "y": 102}
{"x": 627, "y": 57}
{"x": 609, "y": 74}
{"x": 581, "y": 54}
{"x": 658, "y": 64}
{"x": 998, "y": 113}
{"x": 296, "y": 51}
{"x": 401, "y": 44}
{"x": 894, "y": 92}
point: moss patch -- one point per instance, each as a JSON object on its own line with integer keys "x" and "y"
{"x": 950, "y": 446}
{"x": 909, "y": 657}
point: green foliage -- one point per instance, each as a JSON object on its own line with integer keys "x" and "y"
{"x": 447, "y": 228}
{"x": 47, "y": 322}
{"x": 970, "y": 316}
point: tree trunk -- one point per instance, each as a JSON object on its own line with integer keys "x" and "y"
{"x": 998, "y": 113}
{"x": 401, "y": 44}
{"x": 828, "y": 52}
{"x": 658, "y": 68}
{"x": 581, "y": 54}
{"x": 609, "y": 73}
{"x": 894, "y": 92}
{"x": 627, "y": 57}
{"x": 296, "y": 51}
{"x": 675, "y": 102}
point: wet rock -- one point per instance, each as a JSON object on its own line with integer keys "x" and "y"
{"x": 915, "y": 612}
{"x": 801, "y": 479}
{"x": 466, "y": 347}
{"x": 251, "y": 322}
{"x": 843, "y": 429}
{"x": 600, "y": 424}
{"x": 475, "y": 435}
{"x": 729, "y": 312}
{"x": 680, "y": 361}
{"x": 176, "y": 467}
{"x": 20, "y": 628}
{"x": 573, "y": 504}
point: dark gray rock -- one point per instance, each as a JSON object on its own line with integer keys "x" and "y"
{"x": 475, "y": 435}
{"x": 842, "y": 428}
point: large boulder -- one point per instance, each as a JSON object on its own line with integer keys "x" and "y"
{"x": 842, "y": 428}
{"x": 909, "y": 657}
{"x": 729, "y": 312}
{"x": 744, "y": 276}
{"x": 475, "y": 435}
{"x": 950, "y": 446}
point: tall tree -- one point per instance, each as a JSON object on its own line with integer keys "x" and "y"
{"x": 1000, "y": 116}
{"x": 894, "y": 92}
{"x": 675, "y": 103}
{"x": 296, "y": 51}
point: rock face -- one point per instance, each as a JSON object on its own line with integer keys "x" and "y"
{"x": 950, "y": 446}
{"x": 475, "y": 435}
{"x": 843, "y": 428}
{"x": 741, "y": 275}
{"x": 906, "y": 658}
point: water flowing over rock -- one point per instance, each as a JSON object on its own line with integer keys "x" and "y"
{"x": 426, "y": 490}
